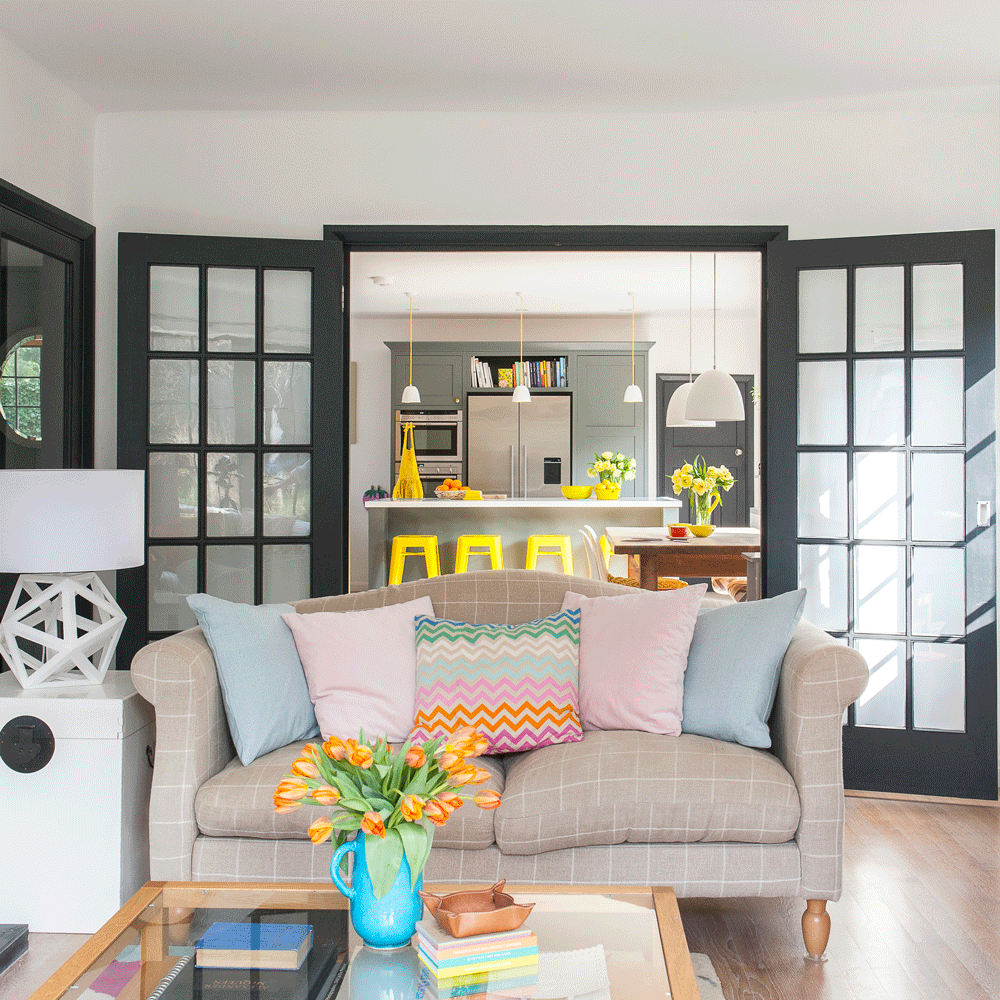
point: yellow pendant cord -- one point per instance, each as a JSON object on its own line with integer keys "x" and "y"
{"x": 411, "y": 340}
{"x": 633, "y": 338}
{"x": 521, "y": 300}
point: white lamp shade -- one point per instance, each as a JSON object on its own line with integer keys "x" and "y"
{"x": 411, "y": 394}
{"x": 677, "y": 409}
{"x": 715, "y": 396}
{"x": 633, "y": 394}
{"x": 521, "y": 394}
{"x": 71, "y": 520}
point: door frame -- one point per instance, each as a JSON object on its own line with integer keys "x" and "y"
{"x": 431, "y": 239}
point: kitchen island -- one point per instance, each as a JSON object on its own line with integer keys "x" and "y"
{"x": 513, "y": 519}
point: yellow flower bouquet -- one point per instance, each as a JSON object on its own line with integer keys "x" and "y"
{"x": 390, "y": 796}
{"x": 703, "y": 482}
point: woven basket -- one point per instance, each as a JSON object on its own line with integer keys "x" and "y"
{"x": 450, "y": 494}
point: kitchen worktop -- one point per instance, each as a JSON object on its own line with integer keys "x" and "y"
{"x": 526, "y": 502}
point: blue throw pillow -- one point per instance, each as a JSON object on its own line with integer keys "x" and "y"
{"x": 263, "y": 686}
{"x": 733, "y": 667}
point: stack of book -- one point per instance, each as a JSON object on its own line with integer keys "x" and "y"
{"x": 481, "y": 963}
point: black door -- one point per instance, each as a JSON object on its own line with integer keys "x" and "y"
{"x": 879, "y": 487}
{"x": 728, "y": 443}
{"x": 231, "y": 396}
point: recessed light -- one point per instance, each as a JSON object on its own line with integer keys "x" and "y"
{"x": 381, "y": 280}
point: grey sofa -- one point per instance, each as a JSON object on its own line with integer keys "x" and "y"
{"x": 706, "y": 817}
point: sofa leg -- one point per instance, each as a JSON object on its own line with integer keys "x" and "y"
{"x": 816, "y": 929}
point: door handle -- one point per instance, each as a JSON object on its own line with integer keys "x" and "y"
{"x": 739, "y": 451}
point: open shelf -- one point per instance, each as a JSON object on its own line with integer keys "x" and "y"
{"x": 504, "y": 372}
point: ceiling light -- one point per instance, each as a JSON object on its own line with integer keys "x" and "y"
{"x": 521, "y": 394}
{"x": 633, "y": 394}
{"x": 411, "y": 394}
{"x": 381, "y": 280}
{"x": 677, "y": 407}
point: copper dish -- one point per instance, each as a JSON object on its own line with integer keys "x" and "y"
{"x": 477, "y": 911}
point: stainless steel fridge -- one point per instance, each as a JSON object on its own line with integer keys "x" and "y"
{"x": 521, "y": 449}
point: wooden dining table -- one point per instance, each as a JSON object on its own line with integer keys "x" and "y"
{"x": 726, "y": 552}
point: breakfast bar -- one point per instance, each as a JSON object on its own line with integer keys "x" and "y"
{"x": 514, "y": 519}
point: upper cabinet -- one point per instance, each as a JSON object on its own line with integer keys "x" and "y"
{"x": 440, "y": 377}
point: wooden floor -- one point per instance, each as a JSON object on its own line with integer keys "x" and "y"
{"x": 919, "y": 918}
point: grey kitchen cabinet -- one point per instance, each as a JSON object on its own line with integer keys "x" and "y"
{"x": 601, "y": 421}
{"x": 439, "y": 377}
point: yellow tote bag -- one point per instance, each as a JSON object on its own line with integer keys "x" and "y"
{"x": 408, "y": 486}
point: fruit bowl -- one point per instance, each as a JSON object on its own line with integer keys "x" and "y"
{"x": 577, "y": 492}
{"x": 607, "y": 492}
{"x": 701, "y": 530}
{"x": 450, "y": 494}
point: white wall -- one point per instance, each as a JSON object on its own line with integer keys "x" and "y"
{"x": 46, "y": 135}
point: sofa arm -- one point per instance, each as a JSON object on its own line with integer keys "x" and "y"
{"x": 177, "y": 675}
{"x": 819, "y": 679}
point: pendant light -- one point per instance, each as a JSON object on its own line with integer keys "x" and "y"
{"x": 521, "y": 394}
{"x": 633, "y": 394}
{"x": 677, "y": 406}
{"x": 715, "y": 394}
{"x": 411, "y": 394}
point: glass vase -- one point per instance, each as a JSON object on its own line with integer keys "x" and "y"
{"x": 702, "y": 507}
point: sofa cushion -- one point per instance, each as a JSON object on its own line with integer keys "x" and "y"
{"x": 617, "y": 787}
{"x": 238, "y": 802}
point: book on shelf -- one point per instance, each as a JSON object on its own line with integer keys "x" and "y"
{"x": 506, "y": 378}
{"x": 243, "y": 945}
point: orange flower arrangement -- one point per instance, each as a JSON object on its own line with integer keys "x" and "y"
{"x": 394, "y": 798}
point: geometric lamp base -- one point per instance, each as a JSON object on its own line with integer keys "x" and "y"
{"x": 46, "y": 643}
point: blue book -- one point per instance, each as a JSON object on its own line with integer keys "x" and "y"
{"x": 253, "y": 946}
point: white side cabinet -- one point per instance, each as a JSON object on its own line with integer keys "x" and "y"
{"x": 75, "y": 829}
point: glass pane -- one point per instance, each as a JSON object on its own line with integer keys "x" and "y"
{"x": 232, "y": 309}
{"x": 229, "y": 572}
{"x": 823, "y": 311}
{"x": 878, "y": 309}
{"x": 880, "y": 588}
{"x": 286, "y": 573}
{"x": 823, "y": 402}
{"x": 878, "y": 402}
{"x": 937, "y": 307}
{"x": 880, "y": 494}
{"x": 938, "y": 595}
{"x": 938, "y": 503}
{"x": 229, "y": 489}
{"x": 173, "y": 402}
{"x": 288, "y": 312}
{"x": 173, "y": 494}
{"x": 287, "y": 402}
{"x": 287, "y": 494}
{"x": 823, "y": 495}
{"x": 883, "y": 701}
{"x": 173, "y": 574}
{"x": 937, "y": 392}
{"x": 823, "y": 572}
{"x": 939, "y": 686}
{"x": 231, "y": 402}
{"x": 173, "y": 308}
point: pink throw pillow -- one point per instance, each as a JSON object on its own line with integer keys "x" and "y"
{"x": 633, "y": 654}
{"x": 361, "y": 668}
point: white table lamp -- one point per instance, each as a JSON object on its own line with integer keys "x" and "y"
{"x": 57, "y": 528}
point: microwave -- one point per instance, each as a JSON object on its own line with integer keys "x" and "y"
{"x": 437, "y": 434}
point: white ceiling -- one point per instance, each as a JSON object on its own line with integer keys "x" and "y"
{"x": 502, "y": 55}
{"x": 552, "y": 283}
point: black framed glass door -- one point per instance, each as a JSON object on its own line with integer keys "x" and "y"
{"x": 880, "y": 490}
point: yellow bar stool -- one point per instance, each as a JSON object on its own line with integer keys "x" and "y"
{"x": 421, "y": 545}
{"x": 478, "y": 545}
{"x": 550, "y": 545}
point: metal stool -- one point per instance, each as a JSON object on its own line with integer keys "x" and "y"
{"x": 542, "y": 545}
{"x": 422, "y": 545}
{"x": 478, "y": 545}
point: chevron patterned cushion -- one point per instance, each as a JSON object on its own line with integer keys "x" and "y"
{"x": 517, "y": 684}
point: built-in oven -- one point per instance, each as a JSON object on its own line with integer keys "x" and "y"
{"x": 437, "y": 436}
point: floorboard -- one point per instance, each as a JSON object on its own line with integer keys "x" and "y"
{"x": 919, "y": 918}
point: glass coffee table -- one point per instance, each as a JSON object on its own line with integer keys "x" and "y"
{"x": 145, "y": 952}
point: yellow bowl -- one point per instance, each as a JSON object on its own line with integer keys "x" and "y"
{"x": 577, "y": 492}
{"x": 702, "y": 530}
{"x": 604, "y": 493}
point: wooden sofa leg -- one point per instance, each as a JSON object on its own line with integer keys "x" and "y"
{"x": 816, "y": 929}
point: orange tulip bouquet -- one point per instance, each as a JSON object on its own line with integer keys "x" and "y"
{"x": 390, "y": 796}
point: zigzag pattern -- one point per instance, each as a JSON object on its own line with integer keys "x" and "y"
{"x": 516, "y": 684}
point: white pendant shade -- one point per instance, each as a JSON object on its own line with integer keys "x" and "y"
{"x": 411, "y": 394}
{"x": 715, "y": 396}
{"x": 521, "y": 394}
{"x": 633, "y": 394}
{"x": 677, "y": 409}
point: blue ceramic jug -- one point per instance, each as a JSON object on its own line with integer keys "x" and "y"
{"x": 383, "y": 923}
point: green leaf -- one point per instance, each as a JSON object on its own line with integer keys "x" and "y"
{"x": 358, "y": 805}
{"x": 346, "y": 821}
{"x": 416, "y": 840}
{"x": 382, "y": 769}
{"x": 384, "y": 856}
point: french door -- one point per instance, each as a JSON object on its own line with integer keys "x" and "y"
{"x": 879, "y": 483}
{"x": 231, "y": 397}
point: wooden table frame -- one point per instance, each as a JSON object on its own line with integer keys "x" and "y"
{"x": 159, "y": 898}
{"x": 721, "y": 554}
